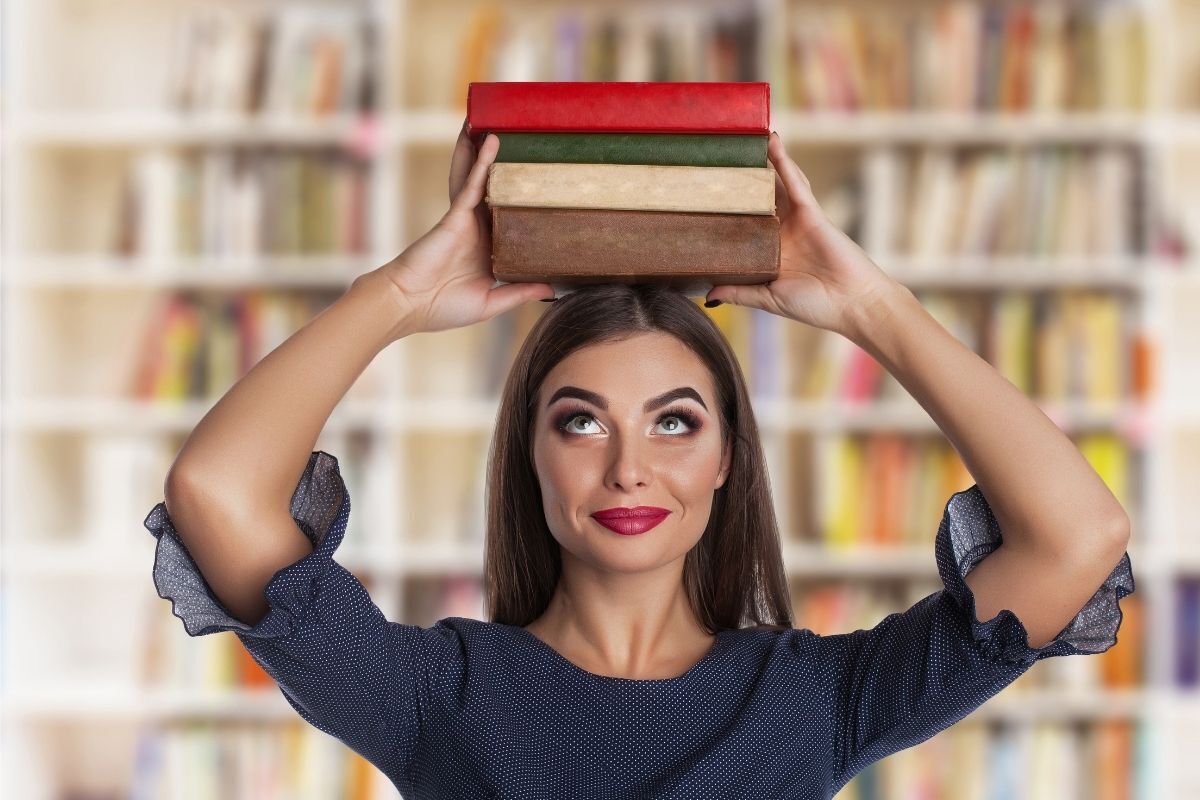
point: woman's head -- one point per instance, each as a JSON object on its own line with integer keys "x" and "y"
{"x": 578, "y": 432}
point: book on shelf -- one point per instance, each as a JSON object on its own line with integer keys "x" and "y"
{"x": 1186, "y": 623}
{"x": 290, "y": 61}
{"x": 629, "y": 43}
{"x": 246, "y": 759}
{"x": 686, "y": 223}
{"x": 867, "y": 483}
{"x": 1045, "y": 200}
{"x": 851, "y": 513}
{"x": 965, "y": 57}
{"x": 223, "y": 202}
{"x": 195, "y": 346}
{"x": 1060, "y": 347}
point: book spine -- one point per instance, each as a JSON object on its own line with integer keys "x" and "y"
{"x": 587, "y": 245}
{"x": 663, "y": 149}
{"x": 721, "y": 190}
{"x": 618, "y": 106}
{"x": 1187, "y": 633}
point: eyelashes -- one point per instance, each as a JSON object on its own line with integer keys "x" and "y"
{"x": 689, "y": 419}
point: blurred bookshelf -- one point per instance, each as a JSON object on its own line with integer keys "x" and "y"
{"x": 187, "y": 183}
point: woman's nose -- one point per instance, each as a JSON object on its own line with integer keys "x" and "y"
{"x": 630, "y": 465}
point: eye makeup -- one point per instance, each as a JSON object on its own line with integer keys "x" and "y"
{"x": 570, "y": 413}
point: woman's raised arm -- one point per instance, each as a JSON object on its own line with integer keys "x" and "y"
{"x": 1064, "y": 530}
{"x": 228, "y": 490}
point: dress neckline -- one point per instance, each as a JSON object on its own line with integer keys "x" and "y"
{"x": 572, "y": 666}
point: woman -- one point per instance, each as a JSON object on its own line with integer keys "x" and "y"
{"x": 657, "y": 664}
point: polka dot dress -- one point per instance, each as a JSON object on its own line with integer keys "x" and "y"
{"x": 472, "y": 709}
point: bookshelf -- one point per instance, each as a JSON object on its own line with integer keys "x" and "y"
{"x": 172, "y": 230}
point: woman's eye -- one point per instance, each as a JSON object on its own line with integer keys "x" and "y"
{"x": 577, "y": 416}
{"x": 568, "y": 421}
{"x": 676, "y": 421}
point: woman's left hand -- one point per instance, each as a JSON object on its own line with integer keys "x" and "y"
{"x": 824, "y": 276}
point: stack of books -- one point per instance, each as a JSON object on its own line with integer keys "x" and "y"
{"x": 631, "y": 182}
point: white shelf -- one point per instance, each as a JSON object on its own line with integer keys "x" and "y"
{"x": 1067, "y": 706}
{"x": 91, "y": 702}
{"x": 103, "y": 414}
{"x": 1016, "y": 272}
{"x": 165, "y": 128}
{"x": 333, "y": 271}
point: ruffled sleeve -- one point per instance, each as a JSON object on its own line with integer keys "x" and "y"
{"x": 919, "y": 671}
{"x": 968, "y": 533}
{"x": 338, "y": 661}
{"x": 320, "y": 506}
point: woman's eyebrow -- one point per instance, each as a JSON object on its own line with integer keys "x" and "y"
{"x": 650, "y": 405}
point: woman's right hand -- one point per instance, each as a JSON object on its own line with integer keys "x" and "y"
{"x": 445, "y": 278}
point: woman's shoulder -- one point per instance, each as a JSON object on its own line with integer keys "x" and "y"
{"x": 783, "y": 646}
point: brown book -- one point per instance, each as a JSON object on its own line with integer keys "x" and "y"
{"x": 689, "y": 251}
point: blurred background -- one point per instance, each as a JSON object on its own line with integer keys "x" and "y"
{"x": 186, "y": 183}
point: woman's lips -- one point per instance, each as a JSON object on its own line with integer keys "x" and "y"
{"x": 631, "y": 525}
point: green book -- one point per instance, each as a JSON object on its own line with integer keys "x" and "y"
{"x": 675, "y": 149}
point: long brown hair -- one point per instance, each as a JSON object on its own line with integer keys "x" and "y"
{"x": 734, "y": 576}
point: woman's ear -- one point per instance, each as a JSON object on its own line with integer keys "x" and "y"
{"x": 726, "y": 460}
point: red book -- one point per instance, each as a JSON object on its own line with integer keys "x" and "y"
{"x": 730, "y": 107}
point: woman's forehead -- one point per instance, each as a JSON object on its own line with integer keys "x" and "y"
{"x": 652, "y": 352}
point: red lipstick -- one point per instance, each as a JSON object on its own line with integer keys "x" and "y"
{"x": 631, "y": 521}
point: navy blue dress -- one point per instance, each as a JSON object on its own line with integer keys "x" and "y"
{"x": 472, "y": 709}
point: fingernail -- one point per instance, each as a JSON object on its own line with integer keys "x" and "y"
{"x": 712, "y": 303}
{"x": 549, "y": 299}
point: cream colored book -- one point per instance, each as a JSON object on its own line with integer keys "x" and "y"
{"x": 633, "y": 187}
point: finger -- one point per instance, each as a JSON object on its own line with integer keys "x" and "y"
{"x": 483, "y": 217}
{"x": 748, "y": 295}
{"x": 460, "y": 164}
{"x": 784, "y": 162}
{"x": 799, "y": 190}
{"x": 783, "y": 206}
{"x": 472, "y": 191}
{"x": 510, "y": 295}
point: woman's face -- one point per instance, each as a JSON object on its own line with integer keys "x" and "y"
{"x": 612, "y": 451}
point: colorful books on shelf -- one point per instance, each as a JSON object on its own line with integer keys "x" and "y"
{"x": 611, "y": 181}
{"x": 996, "y": 57}
{"x": 295, "y": 61}
{"x": 882, "y": 488}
